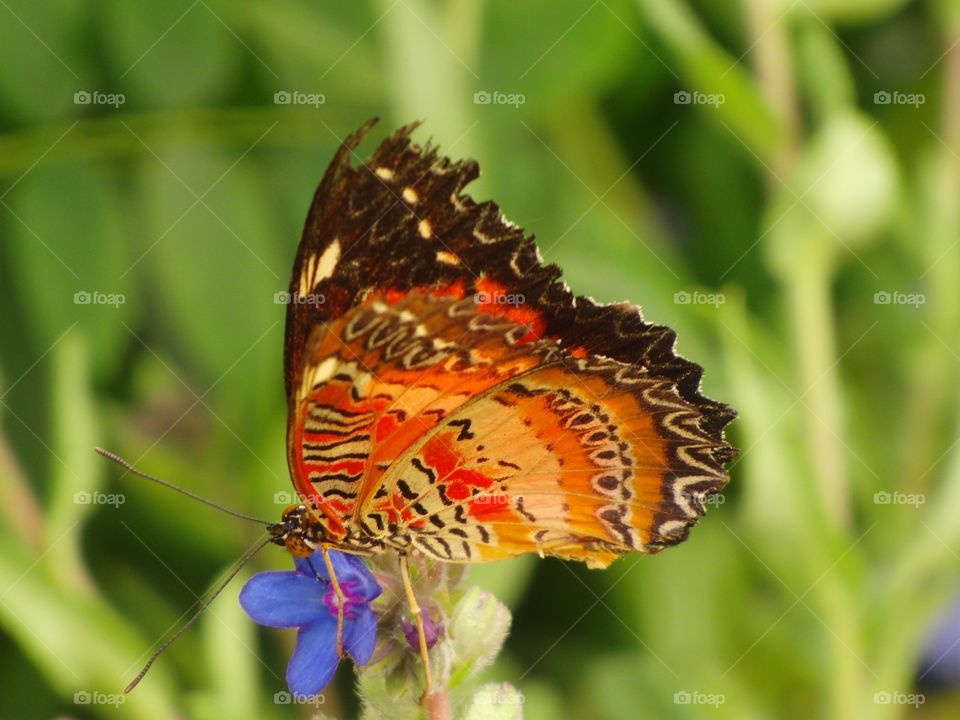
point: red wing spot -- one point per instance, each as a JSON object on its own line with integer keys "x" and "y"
{"x": 392, "y": 507}
{"x": 458, "y": 492}
{"x": 493, "y": 300}
{"x": 394, "y": 296}
{"x": 397, "y": 509}
{"x": 321, "y": 437}
{"x": 440, "y": 454}
{"x": 578, "y": 352}
{"x": 455, "y": 290}
{"x": 490, "y": 508}
{"x": 348, "y": 467}
{"x": 529, "y": 317}
{"x": 385, "y": 427}
{"x": 471, "y": 478}
{"x": 341, "y": 507}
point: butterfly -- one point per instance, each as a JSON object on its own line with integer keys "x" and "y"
{"x": 449, "y": 396}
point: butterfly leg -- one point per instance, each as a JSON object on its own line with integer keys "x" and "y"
{"x": 341, "y": 599}
{"x": 418, "y": 617}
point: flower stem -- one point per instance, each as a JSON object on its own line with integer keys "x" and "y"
{"x": 438, "y": 705}
{"x": 418, "y": 616}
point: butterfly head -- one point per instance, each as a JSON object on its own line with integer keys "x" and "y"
{"x": 297, "y": 531}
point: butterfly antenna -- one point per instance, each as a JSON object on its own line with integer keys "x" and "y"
{"x": 203, "y": 606}
{"x": 130, "y": 468}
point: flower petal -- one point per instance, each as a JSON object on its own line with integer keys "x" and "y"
{"x": 360, "y": 635}
{"x": 351, "y": 567}
{"x": 314, "y": 659}
{"x": 306, "y": 565}
{"x": 283, "y": 599}
{"x": 347, "y": 567}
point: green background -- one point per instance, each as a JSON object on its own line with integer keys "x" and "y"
{"x": 780, "y": 201}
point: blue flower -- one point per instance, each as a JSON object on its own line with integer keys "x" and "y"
{"x": 306, "y": 600}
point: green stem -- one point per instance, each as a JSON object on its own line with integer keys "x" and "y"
{"x": 18, "y": 501}
{"x": 774, "y": 68}
{"x": 813, "y": 331}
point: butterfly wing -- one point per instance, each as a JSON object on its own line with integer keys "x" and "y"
{"x": 375, "y": 381}
{"x": 448, "y": 392}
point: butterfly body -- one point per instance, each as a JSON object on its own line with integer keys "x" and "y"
{"x": 449, "y": 396}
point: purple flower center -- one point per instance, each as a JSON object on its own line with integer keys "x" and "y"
{"x": 352, "y": 596}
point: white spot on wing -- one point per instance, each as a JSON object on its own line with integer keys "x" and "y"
{"x": 410, "y": 195}
{"x": 306, "y": 275}
{"x": 384, "y": 173}
{"x": 448, "y": 258}
{"x": 318, "y": 374}
{"x": 424, "y": 229}
{"x": 328, "y": 262}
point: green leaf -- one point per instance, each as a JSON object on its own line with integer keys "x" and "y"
{"x": 839, "y": 198}
{"x": 71, "y": 251}
{"x": 218, "y": 265}
{"x": 851, "y": 11}
{"x": 824, "y": 71}
{"x": 171, "y": 53}
{"x": 229, "y": 639}
{"x": 41, "y": 40}
{"x": 76, "y": 641}
{"x": 323, "y": 48}
{"x": 51, "y": 607}
{"x": 703, "y": 66}
{"x": 549, "y": 51}
{"x": 75, "y": 489}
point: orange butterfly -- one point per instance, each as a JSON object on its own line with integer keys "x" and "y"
{"x": 449, "y": 396}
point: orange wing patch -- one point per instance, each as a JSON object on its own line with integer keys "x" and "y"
{"x": 379, "y": 378}
{"x": 562, "y": 461}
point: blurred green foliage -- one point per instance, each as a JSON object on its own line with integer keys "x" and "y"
{"x": 793, "y": 213}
